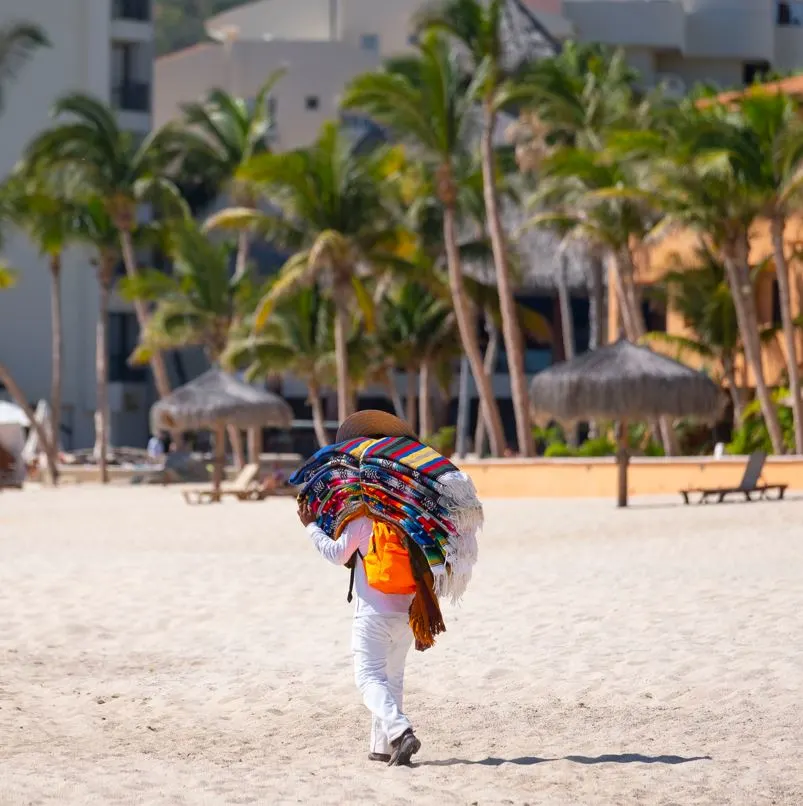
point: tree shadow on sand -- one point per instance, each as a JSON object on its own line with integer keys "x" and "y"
{"x": 608, "y": 758}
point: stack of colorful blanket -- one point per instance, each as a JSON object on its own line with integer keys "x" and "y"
{"x": 406, "y": 484}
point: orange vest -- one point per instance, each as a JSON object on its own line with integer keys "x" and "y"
{"x": 387, "y": 564}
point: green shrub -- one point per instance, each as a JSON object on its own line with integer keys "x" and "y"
{"x": 597, "y": 447}
{"x": 558, "y": 450}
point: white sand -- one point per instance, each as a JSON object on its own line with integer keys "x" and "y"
{"x": 154, "y": 653}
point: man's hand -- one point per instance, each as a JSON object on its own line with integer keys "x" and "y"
{"x": 305, "y": 514}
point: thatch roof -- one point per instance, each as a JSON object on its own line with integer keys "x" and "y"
{"x": 219, "y": 398}
{"x": 623, "y": 382}
{"x": 540, "y": 255}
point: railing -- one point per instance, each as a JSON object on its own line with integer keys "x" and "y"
{"x": 132, "y": 97}
{"x": 139, "y": 10}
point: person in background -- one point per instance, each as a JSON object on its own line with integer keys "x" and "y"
{"x": 156, "y": 448}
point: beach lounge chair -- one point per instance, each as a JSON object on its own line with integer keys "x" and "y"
{"x": 244, "y": 488}
{"x": 749, "y": 486}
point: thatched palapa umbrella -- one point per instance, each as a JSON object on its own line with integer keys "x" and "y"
{"x": 217, "y": 399}
{"x": 623, "y": 383}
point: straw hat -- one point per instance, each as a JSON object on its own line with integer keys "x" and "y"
{"x": 373, "y": 423}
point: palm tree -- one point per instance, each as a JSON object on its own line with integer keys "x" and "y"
{"x": 42, "y": 206}
{"x": 707, "y": 170}
{"x": 593, "y": 196}
{"x": 18, "y": 42}
{"x": 773, "y": 122}
{"x": 115, "y": 169}
{"x": 417, "y": 329}
{"x": 222, "y": 133}
{"x": 478, "y": 27}
{"x": 425, "y": 101}
{"x": 332, "y": 209}
{"x": 97, "y": 230}
{"x": 299, "y": 338}
{"x": 198, "y": 304}
{"x": 701, "y": 295}
{"x": 574, "y": 99}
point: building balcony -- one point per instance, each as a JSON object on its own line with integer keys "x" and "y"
{"x": 132, "y": 96}
{"x": 137, "y": 10}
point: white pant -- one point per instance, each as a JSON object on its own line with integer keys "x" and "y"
{"x": 380, "y": 645}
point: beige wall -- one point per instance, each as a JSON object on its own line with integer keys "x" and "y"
{"x": 321, "y": 69}
{"x": 279, "y": 19}
{"x": 597, "y": 478}
{"x": 390, "y": 19}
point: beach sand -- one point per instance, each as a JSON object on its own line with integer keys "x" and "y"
{"x": 155, "y": 653}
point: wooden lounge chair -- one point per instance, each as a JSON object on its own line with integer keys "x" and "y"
{"x": 244, "y": 488}
{"x": 750, "y": 484}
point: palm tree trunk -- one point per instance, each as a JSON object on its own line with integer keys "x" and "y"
{"x": 160, "y": 376}
{"x": 236, "y": 439}
{"x": 596, "y": 305}
{"x": 777, "y": 226}
{"x": 254, "y": 445}
{"x": 341, "y": 353}
{"x": 617, "y": 286}
{"x": 393, "y": 392}
{"x": 735, "y": 258}
{"x": 511, "y": 331}
{"x": 733, "y": 389}
{"x": 566, "y": 318}
{"x": 47, "y": 445}
{"x": 318, "y": 421}
{"x": 468, "y": 334}
{"x": 105, "y": 270}
{"x": 424, "y": 401}
{"x": 409, "y": 398}
{"x": 489, "y": 362}
{"x": 219, "y": 462}
{"x": 56, "y": 340}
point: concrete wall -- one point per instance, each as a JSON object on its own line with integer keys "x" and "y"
{"x": 653, "y": 24}
{"x": 314, "y": 69}
{"x": 597, "y": 478}
{"x": 276, "y": 19}
{"x": 71, "y": 64}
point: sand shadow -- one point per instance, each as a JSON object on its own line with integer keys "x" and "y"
{"x": 634, "y": 758}
{"x": 607, "y": 758}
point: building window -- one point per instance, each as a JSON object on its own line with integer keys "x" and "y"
{"x": 790, "y": 13}
{"x": 129, "y": 92}
{"x": 370, "y": 42}
{"x": 311, "y": 103}
{"x": 753, "y": 72}
{"x": 123, "y": 340}
{"x": 412, "y": 40}
{"x": 139, "y": 10}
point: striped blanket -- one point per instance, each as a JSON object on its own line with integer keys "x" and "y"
{"x": 404, "y": 483}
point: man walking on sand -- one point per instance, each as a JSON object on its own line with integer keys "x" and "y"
{"x": 381, "y": 632}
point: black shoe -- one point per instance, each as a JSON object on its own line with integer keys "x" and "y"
{"x": 404, "y": 748}
{"x": 379, "y": 757}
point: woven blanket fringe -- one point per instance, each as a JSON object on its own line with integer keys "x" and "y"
{"x": 459, "y": 497}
